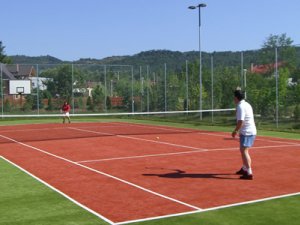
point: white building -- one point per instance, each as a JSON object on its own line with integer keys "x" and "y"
{"x": 39, "y": 82}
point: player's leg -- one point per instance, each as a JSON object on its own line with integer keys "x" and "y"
{"x": 243, "y": 169}
{"x": 246, "y": 159}
{"x": 247, "y": 163}
{"x": 68, "y": 117}
{"x": 245, "y": 143}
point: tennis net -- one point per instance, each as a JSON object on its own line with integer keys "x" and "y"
{"x": 45, "y": 127}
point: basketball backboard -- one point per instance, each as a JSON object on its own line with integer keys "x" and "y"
{"x": 17, "y": 87}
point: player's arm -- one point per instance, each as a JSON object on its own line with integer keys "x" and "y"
{"x": 237, "y": 128}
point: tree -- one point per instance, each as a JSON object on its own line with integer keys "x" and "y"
{"x": 63, "y": 81}
{"x": 123, "y": 88}
{"x": 286, "y": 52}
{"x": 50, "y": 106}
{"x": 98, "y": 97}
{"x": 60, "y": 83}
{"x": 108, "y": 103}
{"x": 7, "y": 106}
{"x": 3, "y": 57}
{"x": 28, "y": 103}
{"x": 194, "y": 86}
{"x": 226, "y": 82}
{"x": 297, "y": 113}
{"x": 33, "y": 102}
{"x": 89, "y": 103}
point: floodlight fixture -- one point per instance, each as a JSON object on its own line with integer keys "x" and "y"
{"x": 199, "y": 6}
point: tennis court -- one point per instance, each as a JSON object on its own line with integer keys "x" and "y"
{"x": 125, "y": 172}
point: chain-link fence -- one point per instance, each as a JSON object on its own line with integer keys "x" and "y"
{"x": 107, "y": 89}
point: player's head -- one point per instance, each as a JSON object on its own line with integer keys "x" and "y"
{"x": 239, "y": 94}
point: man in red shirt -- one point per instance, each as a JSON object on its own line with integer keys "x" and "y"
{"x": 66, "y": 111}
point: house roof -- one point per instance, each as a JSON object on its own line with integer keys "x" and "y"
{"x": 6, "y": 74}
{"x": 21, "y": 70}
{"x": 266, "y": 68}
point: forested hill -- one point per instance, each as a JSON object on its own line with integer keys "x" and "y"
{"x": 22, "y": 59}
{"x": 176, "y": 59}
{"x": 157, "y": 58}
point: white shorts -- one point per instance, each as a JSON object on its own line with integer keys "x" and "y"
{"x": 66, "y": 114}
{"x": 247, "y": 140}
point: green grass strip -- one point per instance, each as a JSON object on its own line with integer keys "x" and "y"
{"x": 283, "y": 211}
{"x": 26, "y": 201}
{"x": 199, "y": 126}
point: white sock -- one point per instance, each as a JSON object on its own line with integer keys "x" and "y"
{"x": 249, "y": 171}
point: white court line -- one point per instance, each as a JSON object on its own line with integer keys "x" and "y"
{"x": 181, "y": 153}
{"x": 59, "y": 192}
{"x": 140, "y": 156}
{"x": 179, "y": 214}
{"x": 159, "y": 217}
{"x": 150, "y": 218}
{"x": 136, "y": 138}
{"x": 104, "y": 174}
{"x": 166, "y": 143}
{"x": 200, "y": 132}
{"x": 53, "y": 128}
{"x": 210, "y": 209}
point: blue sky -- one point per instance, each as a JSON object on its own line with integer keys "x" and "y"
{"x": 74, "y": 29}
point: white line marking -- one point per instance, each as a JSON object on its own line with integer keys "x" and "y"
{"x": 53, "y": 128}
{"x": 104, "y": 174}
{"x": 59, "y": 192}
{"x": 136, "y": 138}
{"x": 200, "y": 132}
{"x": 159, "y": 217}
{"x": 290, "y": 144}
{"x": 140, "y": 156}
{"x": 181, "y": 153}
{"x": 209, "y": 209}
{"x": 251, "y": 202}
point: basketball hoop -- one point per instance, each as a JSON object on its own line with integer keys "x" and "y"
{"x": 20, "y": 92}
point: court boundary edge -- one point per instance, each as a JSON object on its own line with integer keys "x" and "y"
{"x": 58, "y": 191}
{"x": 210, "y": 209}
{"x": 104, "y": 174}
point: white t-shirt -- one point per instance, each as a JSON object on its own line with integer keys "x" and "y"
{"x": 244, "y": 112}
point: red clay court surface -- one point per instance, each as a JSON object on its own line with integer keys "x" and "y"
{"x": 125, "y": 172}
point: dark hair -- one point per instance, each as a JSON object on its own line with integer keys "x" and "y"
{"x": 239, "y": 94}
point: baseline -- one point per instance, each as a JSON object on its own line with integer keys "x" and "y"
{"x": 211, "y": 209}
{"x": 58, "y": 191}
{"x": 104, "y": 174}
{"x": 181, "y": 153}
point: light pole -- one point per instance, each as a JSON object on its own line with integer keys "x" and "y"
{"x": 200, "y": 58}
{"x": 245, "y": 82}
{"x": 111, "y": 88}
{"x": 276, "y": 77}
{"x": 212, "y": 86}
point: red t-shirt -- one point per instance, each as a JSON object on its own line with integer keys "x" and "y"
{"x": 66, "y": 108}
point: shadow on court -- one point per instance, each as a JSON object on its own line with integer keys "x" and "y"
{"x": 182, "y": 174}
{"x": 231, "y": 139}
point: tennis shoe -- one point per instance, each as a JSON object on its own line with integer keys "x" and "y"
{"x": 241, "y": 172}
{"x": 246, "y": 177}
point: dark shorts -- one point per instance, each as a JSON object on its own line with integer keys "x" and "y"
{"x": 247, "y": 141}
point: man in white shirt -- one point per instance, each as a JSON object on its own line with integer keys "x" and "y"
{"x": 247, "y": 131}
